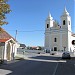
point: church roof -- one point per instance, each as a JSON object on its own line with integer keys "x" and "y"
{"x": 4, "y": 36}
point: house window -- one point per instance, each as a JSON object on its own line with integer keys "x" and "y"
{"x": 47, "y": 25}
{"x": 55, "y": 39}
{"x": 55, "y": 48}
{"x": 63, "y": 22}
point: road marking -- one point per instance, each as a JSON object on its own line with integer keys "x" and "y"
{"x": 55, "y": 69}
{"x": 45, "y": 60}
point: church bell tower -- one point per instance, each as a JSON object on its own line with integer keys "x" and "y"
{"x": 48, "y": 25}
{"x": 66, "y": 30}
{"x": 66, "y": 20}
{"x": 49, "y": 22}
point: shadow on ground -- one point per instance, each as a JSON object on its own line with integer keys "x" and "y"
{"x": 46, "y": 57}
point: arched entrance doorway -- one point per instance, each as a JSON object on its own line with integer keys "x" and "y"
{"x": 8, "y": 51}
{"x": 55, "y": 48}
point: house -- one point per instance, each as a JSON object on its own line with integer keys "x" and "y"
{"x": 22, "y": 46}
{"x": 8, "y": 46}
{"x": 59, "y": 37}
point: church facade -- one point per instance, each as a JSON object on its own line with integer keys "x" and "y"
{"x": 59, "y": 37}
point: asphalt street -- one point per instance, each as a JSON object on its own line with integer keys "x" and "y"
{"x": 39, "y": 65}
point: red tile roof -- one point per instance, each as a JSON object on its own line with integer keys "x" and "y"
{"x": 4, "y": 36}
{"x": 3, "y": 40}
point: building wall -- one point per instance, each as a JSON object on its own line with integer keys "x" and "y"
{"x": 10, "y": 50}
{"x": 54, "y": 35}
{"x": 16, "y": 45}
{"x": 1, "y": 52}
{"x": 64, "y": 40}
{"x": 69, "y": 40}
{"x": 72, "y": 46}
{"x": 47, "y": 39}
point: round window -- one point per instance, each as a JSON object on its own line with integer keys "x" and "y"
{"x": 73, "y": 42}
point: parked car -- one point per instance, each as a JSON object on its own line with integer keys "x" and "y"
{"x": 66, "y": 55}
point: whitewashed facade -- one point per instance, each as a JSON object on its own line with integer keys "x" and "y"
{"x": 59, "y": 37}
{"x": 8, "y": 46}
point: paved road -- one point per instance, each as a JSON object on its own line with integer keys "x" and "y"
{"x": 39, "y": 65}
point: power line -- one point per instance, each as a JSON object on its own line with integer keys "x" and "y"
{"x": 27, "y": 31}
{"x": 32, "y": 31}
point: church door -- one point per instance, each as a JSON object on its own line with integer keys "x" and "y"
{"x": 55, "y": 48}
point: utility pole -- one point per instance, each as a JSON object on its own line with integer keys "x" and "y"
{"x": 16, "y": 35}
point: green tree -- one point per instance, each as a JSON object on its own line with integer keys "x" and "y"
{"x": 4, "y": 9}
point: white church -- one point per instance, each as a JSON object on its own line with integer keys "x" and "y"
{"x": 59, "y": 37}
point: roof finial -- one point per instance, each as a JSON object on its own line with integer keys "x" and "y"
{"x": 49, "y": 16}
{"x": 65, "y": 11}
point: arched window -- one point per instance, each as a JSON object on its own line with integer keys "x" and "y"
{"x": 55, "y": 39}
{"x": 63, "y": 22}
{"x": 69, "y": 22}
{"x": 47, "y": 25}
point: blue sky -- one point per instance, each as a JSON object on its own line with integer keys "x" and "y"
{"x": 28, "y": 18}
